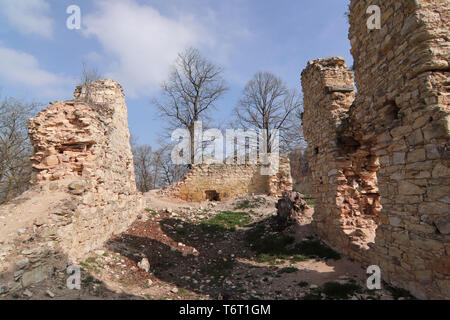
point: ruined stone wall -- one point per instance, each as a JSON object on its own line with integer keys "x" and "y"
{"x": 82, "y": 146}
{"x": 389, "y": 147}
{"x": 228, "y": 180}
{"x": 343, "y": 173}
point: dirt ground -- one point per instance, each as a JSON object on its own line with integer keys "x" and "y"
{"x": 233, "y": 249}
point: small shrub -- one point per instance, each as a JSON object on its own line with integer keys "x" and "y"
{"x": 287, "y": 270}
{"x": 303, "y": 284}
{"x": 250, "y": 203}
{"x": 299, "y": 258}
{"x": 90, "y": 280}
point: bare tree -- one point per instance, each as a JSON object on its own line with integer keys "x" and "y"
{"x": 292, "y": 137}
{"x": 15, "y": 148}
{"x": 268, "y": 104}
{"x": 89, "y": 74}
{"x": 155, "y": 169}
{"x": 169, "y": 172}
{"x": 193, "y": 87}
{"x": 143, "y": 167}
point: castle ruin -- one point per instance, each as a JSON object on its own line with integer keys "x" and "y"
{"x": 379, "y": 156}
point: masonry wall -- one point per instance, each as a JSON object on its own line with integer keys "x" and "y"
{"x": 229, "y": 180}
{"x": 343, "y": 172}
{"x": 384, "y": 157}
{"x": 82, "y": 147}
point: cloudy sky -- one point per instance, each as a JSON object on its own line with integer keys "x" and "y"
{"x": 136, "y": 41}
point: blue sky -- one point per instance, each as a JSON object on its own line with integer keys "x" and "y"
{"x": 135, "y": 41}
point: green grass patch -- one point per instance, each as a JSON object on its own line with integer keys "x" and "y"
{"x": 91, "y": 264}
{"x": 90, "y": 280}
{"x": 310, "y": 201}
{"x": 287, "y": 270}
{"x": 272, "y": 244}
{"x": 250, "y": 203}
{"x": 226, "y": 220}
{"x": 272, "y": 247}
{"x": 266, "y": 258}
{"x": 299, "y": 258}
{"x": 182, "y": 291}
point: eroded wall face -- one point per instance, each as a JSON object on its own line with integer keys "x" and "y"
{"x": 343, "y": 171}
{"x": 229, "y": 180}
{"x": 82, "y": 147}
{"x": 394, "y": 139}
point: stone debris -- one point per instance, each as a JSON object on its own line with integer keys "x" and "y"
{"x": 36, "y": 275}
{"x": 50, "y": 294}
{"x": 27, "y": 293}
{"x": 22, "y": 263}
{"x": 77, "y": 187}
{"x": 3, "y": 289}
{"x": 291, "y": 208}
{"x": 443, "y": 225}
{"x": 144, "y": 264}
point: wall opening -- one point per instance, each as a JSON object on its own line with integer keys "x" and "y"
{"x": 212, "y": 195}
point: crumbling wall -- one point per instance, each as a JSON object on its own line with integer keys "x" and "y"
{"x": 343, "y": 172}
{"x": 82, "y": 146}
{"x": 222, "y": 181}
{"x": 383, "y": 157}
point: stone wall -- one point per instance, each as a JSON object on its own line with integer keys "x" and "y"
{"x": 380, "y": 158}
{"x": 222, "y": 181}
{"x": 343, "y": 173}
{"x": 82, "y": 146}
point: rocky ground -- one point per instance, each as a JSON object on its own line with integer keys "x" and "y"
{"x": 234, "y": 249}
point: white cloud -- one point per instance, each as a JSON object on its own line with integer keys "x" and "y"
{"x": 29, "y": 17}
{"x": 93, "y": 57}
{"x": 20, "y": 68}
{"x": 141, "y": 42}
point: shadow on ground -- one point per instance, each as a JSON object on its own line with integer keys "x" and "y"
{"x": 222, "y": 268}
